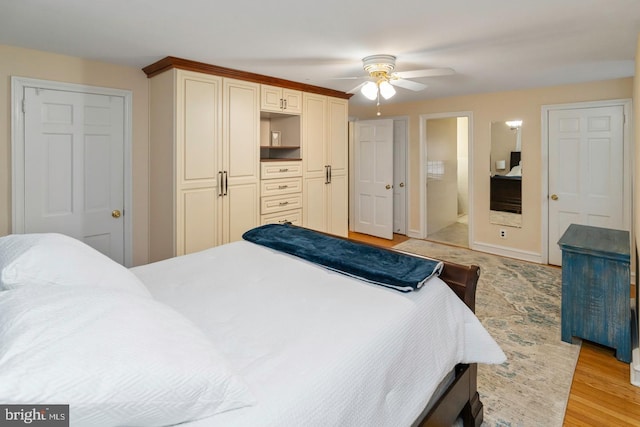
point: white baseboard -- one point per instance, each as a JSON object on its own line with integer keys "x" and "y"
{"x": 507, "y": 252}
{"x": 635, "y": 354}
{"x": 635, "y": 367}
{"x": 415, "y": 234}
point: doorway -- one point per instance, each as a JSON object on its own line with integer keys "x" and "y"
{"x": 378, "y": 182}
{"x": 71, "y": 148}
{"x": 588, "y": 169}
{"x": 446, "y": 212}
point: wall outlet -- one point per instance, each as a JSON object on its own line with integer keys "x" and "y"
{"x": 502, "y": 233}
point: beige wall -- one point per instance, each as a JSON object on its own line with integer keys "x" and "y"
{"x": 35, "y": 64}
{"x": 442, "y": 199}
{"x": 522, "y": 104}
{"x": 463, "y": 165}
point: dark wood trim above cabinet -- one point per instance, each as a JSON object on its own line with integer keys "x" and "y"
{"x": 185, "y": 64}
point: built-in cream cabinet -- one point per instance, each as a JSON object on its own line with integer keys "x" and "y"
{"x": 281, "y": 191}
{"x": 325, "y": 163}
{"x": 204, "y": 161}
{"x": 280, "y": 100}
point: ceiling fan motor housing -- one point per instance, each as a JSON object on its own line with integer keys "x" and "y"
{"x": 379, "y": 65}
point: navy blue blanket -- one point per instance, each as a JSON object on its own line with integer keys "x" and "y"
{"x": 395, "y": 270}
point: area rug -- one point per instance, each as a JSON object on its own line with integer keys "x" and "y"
{"x": 519, "y": 304}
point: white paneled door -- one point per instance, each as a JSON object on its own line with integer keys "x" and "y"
{"x": 400, "y": 127}
{"x": 586, "y": 171}
{"x": 374, "y": 178}
{"x": 74, "y": 167}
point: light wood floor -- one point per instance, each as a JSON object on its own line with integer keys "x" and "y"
{"x": 601, "y": 394}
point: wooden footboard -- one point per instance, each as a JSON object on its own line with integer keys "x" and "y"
{"x": 461, "y": 398}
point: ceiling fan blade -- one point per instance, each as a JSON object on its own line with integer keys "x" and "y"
{"x": 348, "y": 78}
{"x": 408, "y": 84}
{"x": 431, "y": 72}
{"x": 357, "y": 88}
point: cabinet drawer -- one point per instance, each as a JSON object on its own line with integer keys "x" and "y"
{"x": 292, "y": 216}
{"x": 281, "y": 203}
{"x": 274, "y": 187}
{"x": 272, "y": 170}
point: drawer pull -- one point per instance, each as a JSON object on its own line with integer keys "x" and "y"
{"x": 284, "y": 221}
{"x": 284, "y": 169}
{"x": 282, "y": 187}
{"x": 284, "y": 203}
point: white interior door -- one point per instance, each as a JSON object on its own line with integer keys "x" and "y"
{"x": 374, "y": 178}
{"x": 586, "y": 171}
{"x": 400, "y": 176}
{"x": 74, "y": 167}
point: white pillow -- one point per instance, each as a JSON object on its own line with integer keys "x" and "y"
{"x": 115, "y": 358}
{"x": 56, "y": 259}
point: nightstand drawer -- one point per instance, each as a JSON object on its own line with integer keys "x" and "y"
{"x": 273, "y": 170}
{"x": 281, "y": 203}
{"x": 274, "y": 187}
{"x": 293, "y": 216}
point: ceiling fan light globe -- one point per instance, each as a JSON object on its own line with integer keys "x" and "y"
{"x": 386, "y": 90}
{"x": 370, "y": 90}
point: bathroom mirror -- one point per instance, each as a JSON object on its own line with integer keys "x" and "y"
{"x": 506, "y": 173}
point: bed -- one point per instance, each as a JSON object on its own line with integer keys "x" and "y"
{"x": 506, "y": 190}
{"x": 235, "y": 335}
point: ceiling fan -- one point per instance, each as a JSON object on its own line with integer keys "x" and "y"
{"x": 381, "y": 78}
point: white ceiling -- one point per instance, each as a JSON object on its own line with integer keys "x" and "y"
{"x": 493, "y": 45}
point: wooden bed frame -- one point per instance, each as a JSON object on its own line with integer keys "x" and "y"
{"x": 461, "y": 398}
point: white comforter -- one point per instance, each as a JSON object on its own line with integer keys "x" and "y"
{"x": 315, "y": 347}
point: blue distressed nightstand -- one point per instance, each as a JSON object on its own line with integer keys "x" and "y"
{"x": 596, "y": 287}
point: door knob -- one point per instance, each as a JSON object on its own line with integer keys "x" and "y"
{"x": 388, "y": 187}
{"x": 554, "y": 197}
{"x": 116, "y": 213}
{"x": 401, "y": 184}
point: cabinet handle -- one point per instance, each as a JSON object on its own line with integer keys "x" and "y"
{"x": 285, "y": 104}
{"x": 326, "y": 174}
{"x": 329, "y": 174}
{"x": 282, "y": 187}
{"x": 284, "y": 203}
{"x": 281, "y": 104}
{"x": 226, "y": 183}
{"x": 284, "y": 170}
{"x": 220, "y": 193}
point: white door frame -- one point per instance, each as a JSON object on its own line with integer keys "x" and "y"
{"x": 421, "y": 233}
{"x": 405, "y": 161}
{"x": 18, "y": 84}
{"x": 627, "y": 155}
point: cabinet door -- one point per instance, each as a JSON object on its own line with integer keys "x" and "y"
{"x": 198, "y": 129}
{"x": 338, "y": 205}
{"x": 198, "y": 220}
{"x": 292, "y": 101}
{"x": 241, "y": 211}
{"x": 198, "y": 161}
{"x": 314, "y": 135}
{"x": 241, "y": 158}
{"x": 270, "y": 98}
{"x": 337, "y": 131}
{"x": 241, "y": 131}
{"x": 314, "y": 194}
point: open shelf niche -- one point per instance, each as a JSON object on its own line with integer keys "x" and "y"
{"x": 288, "y": 126}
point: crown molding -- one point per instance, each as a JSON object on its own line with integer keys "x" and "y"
{"x": 171, "y": 62}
